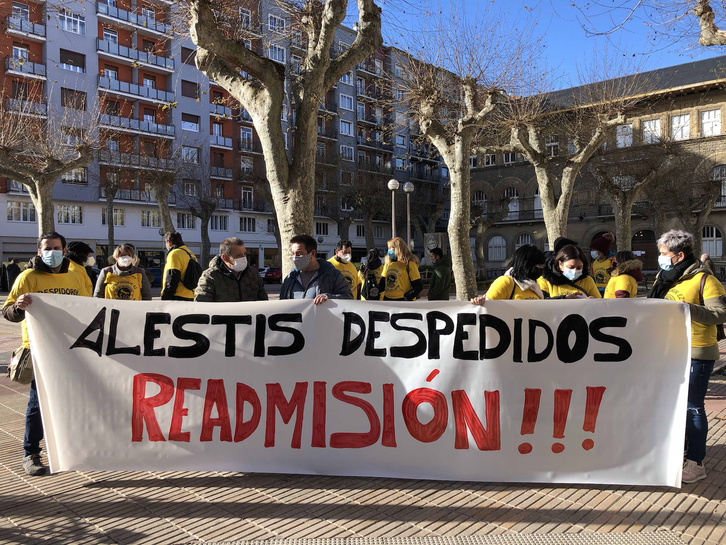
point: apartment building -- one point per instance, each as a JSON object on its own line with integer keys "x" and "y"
{"x": 687, "y": 106}
{"x": 160, "y": 117}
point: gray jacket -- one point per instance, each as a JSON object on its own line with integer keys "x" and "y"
{"x": 327, "y": 281}
{"x": 219, "y": 285}
{"x": 100, "y": 289}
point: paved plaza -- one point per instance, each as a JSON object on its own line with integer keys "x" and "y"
{"x": 206, "y": 507}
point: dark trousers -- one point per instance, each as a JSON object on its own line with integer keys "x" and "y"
{"x": 696, "y": 422}
{"x": 33, "y": 423}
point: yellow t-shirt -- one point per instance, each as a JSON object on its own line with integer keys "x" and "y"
{"x": 587, "y": 284}
{"x": 398, "y": 278}
{"x": 80, "y": 270}
{"x": 377, "y": 273}
{"x": 689, "y": 291}
{"x": 502, "y": 288}
{"x": 178, "y": 259}
{"x": 600, "y": 272}
{"x": 32, "y": 281}
{"x": 621, "y": 282}
{"x": 350, "y": 273}
{"x": 122, "y": 287}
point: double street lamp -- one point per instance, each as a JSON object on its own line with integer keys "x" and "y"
{"x": 393, "y": 186}
{"x": 408, "y": 189}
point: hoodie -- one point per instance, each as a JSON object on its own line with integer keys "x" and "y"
{"x": 441, "y": 280}
{"x": 555, "y": 285}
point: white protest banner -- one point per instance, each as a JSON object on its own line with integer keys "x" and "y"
{"x": 551, "y": 391}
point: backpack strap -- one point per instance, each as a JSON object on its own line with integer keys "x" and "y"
{"x": 514, "y": 288}
{"x": 700, "y": 290}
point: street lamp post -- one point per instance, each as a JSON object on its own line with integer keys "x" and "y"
{"x": 408, "y": 189}
{"x": 393, "y": 186}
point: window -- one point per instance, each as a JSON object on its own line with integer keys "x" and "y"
{"x": 76, "y": 176}
{"x": 361, "y": 110}
{"x": 110, "y": 35}
{"x": 347, "y": 79}
{"x": 110, "y": 73}
{"x": 296, "y": 63}
{"x": 71, "y": 136}
{"x": 680, "y": 127}
{"x": 185, "y": 220}
{"x": 247, "y": 225}
{"x": 399, "y": 94}
{"x": 497, "y": 249}
{"x": 711, "y": 123}
{"x": 346, "y": 153}
{"x": 119, "y": 217}
{"x": 70, "y": 98}
{"x": 190, "y": 155}
{"x": 513, "y": 196}
{"x": 345, "y": 205}
{"x": 719, "y": 173}
{"x": 321, "y": 228}
{"x": 148, "y": 46}
{"x": 150, "y": 218}
{"x": 271, "y": 226}
{"x": 247, "y": 198}
{"x": 444, "y": 172}
{"x": 651, "y": 131}
{"x": 149, "y": 81}
{"x": 346, "y": 128}
{"x": 21, "y": 11}
{"x": 360, "y": 85}
{"x": 490, "y": 160}
{"x": 70, "y": 60}
{"x": 400, "y": 140}
{"x": 523, "y": 240}
{"x": 537, "y": 204}
{"x": 71, "y": 22}
{"x": 21, "y": 52}
{"x": 552, "y": 144}
{"x": 624, "y": 136}
{"x": 188, "y": 56}
{"x": 245, "y": 138}
{"x": 399, "y": 163}
{"x": 275, "y": 23}
{"x": 20, "y": 90}
{"x": 401, "y": 120}
{"x": 218, "y": 222}
{"x": 378, "y": 231}
{"x": 398, "y": 70}
{"x": 112, "y": 143}
{"x": 70, "y": 214}
{"x": 190, "y": 122}
{"x": 149, "y": 115}
{"x": 189, "y": 89}
{"x": 712, "y": 243}
{"x": 21, "y": 211}
{"x": 277, "y": 53}
{"x": 247, "y": 166}
{"x": 473, "y": 161}
{"x": 148, "y": 12}
{"x": 190, "y": 188}
{"x": 360, "y": 231}
{"x": 217, "y": 129}
{"x": 245, "y": 18}
{"x": 510, "y": 157}
{"x": 346, "y": 102}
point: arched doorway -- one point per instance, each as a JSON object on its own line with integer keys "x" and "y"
{"x": 645, "y": 249}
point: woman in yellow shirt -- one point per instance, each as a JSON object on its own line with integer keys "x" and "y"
{"x": 400, "y": 280}
{"x": 124, "y": 279}
{"x": 566, "y": 276}
{"x": 624, "y": 276}
{"x": 520, "y": 281}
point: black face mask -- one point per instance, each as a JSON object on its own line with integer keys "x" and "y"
{"x": 535, "y": 274}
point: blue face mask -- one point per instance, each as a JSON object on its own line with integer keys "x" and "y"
{"x": 664, "y": 262}
{"x": 594, "y": 254}
{"x": 572, "y": 274}
{"x": 392, "y": 254}
{"x": 52, "y": 258}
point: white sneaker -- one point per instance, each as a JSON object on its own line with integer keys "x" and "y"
{"x": 692, "y": 472}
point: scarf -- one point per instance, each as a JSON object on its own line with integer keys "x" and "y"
{"x": 666, "y": 279}
{"x": 526, "y": 284}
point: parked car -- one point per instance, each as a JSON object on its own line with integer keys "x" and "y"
{"x": 273, "y": 274}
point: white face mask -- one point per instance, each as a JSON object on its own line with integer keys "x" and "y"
{"x": 124, "y": 261}
{"x": 344, "y": 258}
{"x": 91, "y": 261}
{"x": 240, "y": 264}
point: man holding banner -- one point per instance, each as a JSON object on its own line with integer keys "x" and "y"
{"x": 49, "y": 272}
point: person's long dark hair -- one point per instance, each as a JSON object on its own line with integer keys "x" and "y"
{"x": 570, "y": 252}
{"x": 525, "y": 258}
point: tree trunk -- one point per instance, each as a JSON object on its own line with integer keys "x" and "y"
{"x": 41, "y": 193}
{"x": 344, "y": 228}
{"x": 480, "y": 249}
{"x": 162, "y": 200}
{"x": 206, "y": 244}
{"x": 368, "y": 222}
{"x": 110, "y": 195}
{"x": 459, "y": 220}
{"x": 623, "y": 211}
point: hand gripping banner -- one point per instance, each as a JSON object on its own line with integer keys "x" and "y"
{"x": 545, "y": 391}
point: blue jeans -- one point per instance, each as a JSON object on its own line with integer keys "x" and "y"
{"x": 696, "y": 422}
{"x": 33, "y": 423}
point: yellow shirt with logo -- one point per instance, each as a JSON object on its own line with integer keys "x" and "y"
{"x": 80, "y": 270}
{"x": 587, "y": 284}
{"x": 600, "y": 272}
{"x": 502, "y": 288}
{"x": 126, "y": 287}
{"x": 350, "y": 273}
{"x": 621, "y": 282}
{"x": 399, "y": 277}
{"x": 689, "y": 290}
{"x": 178, "y": 259}
{"x": 377, "y": 273}
{"x": 34, "y": 281}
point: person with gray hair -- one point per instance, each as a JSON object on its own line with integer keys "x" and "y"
{"x": 684, "y": 278}
{"x": 229, "y": 278}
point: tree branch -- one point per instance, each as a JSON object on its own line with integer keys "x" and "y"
{"x": 710, "y": 33}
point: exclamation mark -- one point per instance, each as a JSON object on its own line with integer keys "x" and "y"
{"x": 562, "y": 408}
{"x": 592, "y": 407}
{"x": 529, "y": 416}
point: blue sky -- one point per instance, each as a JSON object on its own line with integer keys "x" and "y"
{"x": 565, "y": 43}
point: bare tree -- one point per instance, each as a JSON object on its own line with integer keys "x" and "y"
{"x": 485, "y": 214}
{"x": 369, "y": 197}
{"x": 427, "y": 208}
{"x": 38, "y": 147}
{"x": 222, "y": 56}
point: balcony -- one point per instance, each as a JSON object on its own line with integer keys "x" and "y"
{"x": 371, "y": 119}
{"x": 219, "y": 141}
{"x": 134, "y": 90}
{"x": 220, "y": 172}
{"x": 372, "y": 166}
{"x": 329, "y": 106}
{"x": 134, "y": 56}
{"x": 134, "y": 125}
{"x": 330, "y": 158}
{"x": 244, "y": 116}
{"x": 24, "y": 68}
{"x": 20, "y": 27}
{"x": 220, "y": 110}
{"x": 135, "y": 195}
{"x": 370, "y": 68}
{"x": 374, "y": 144}
{"x": 424, "y": 176}
{"x": 424, "y": 152}
{"x": 246, "y": 172}
{"x": 18, "y": 188}
{"x": 25, "y": 107}
{"x": 369, "y": 93}
{"x": 249, "y": 205}
{"x": 134, "y": 160}
{"x": 145, "y": 24}
{"x": 224, "y": 204}
{"x": 327, "y": 132}
{"x": 249, "y": 147}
